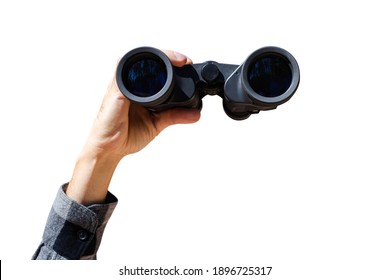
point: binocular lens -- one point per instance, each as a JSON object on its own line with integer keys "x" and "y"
{"x": 144, "y": 76}
{"x": 270, "y": 75}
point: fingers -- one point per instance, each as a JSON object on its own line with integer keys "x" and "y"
{"x": 177, "y": 58}
{"x": 179, "y": 115}
{"x": 176, "y": 116}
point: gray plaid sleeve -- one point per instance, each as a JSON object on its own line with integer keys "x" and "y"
{"x": 74, "y": 231}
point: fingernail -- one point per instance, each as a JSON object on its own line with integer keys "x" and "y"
{"x": 179, "y": 56}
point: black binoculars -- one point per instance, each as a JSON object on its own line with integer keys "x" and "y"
{"x": 267, "y": 78}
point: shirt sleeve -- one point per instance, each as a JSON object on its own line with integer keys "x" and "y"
{"x": 74, "y": 231}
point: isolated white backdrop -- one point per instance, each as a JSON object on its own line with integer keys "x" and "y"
{"x": 303, "y": 188}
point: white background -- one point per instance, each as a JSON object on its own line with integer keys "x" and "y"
{"x": 303, "y": 188}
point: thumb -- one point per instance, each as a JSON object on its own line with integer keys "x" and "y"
{"x": 176, "y": 116}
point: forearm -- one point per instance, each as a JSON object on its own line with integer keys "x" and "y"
{"x": 91, "y": 177}
{"x": 81, "y": 210}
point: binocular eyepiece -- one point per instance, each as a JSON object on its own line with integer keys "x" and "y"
{"x": 267, "y": 78}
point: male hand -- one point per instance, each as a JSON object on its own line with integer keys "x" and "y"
{"x": 120, "y": 128}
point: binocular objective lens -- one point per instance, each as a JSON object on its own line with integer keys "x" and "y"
{"x": 270, "y": 75}
{"x": 144, "y": 77}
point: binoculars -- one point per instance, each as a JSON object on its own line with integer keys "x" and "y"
{"x": 267, "y": 78}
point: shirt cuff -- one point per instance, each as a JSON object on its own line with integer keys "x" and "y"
{"x": 73, "y": 230}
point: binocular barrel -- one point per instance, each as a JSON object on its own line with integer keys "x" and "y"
{"x": 267, "y": 78}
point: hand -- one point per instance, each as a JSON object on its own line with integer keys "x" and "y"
{"x": 123, "y": 128}
{"x": 120, "y": 128}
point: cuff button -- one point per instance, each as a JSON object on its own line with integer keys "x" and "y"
{"x": 82, "y": 235}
